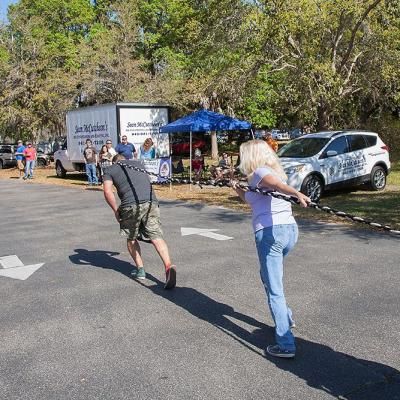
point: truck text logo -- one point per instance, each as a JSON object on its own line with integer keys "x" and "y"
{"x": 88, "y": 128}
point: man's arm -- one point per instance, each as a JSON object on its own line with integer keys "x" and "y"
{"x": 134, "y": 152}
{"x": 110, "y": 198}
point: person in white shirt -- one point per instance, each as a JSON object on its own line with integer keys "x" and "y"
{"x": 275, "y": 231}
{"x": 110, "y": 149}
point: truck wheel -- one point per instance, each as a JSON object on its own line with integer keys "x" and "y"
{"x": 312, "y": 187}
{"x": 60, "y": 171}
{"x": 378, "y": 178}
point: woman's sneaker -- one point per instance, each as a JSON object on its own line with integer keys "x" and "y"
{"x": 275, "y": 351}
{"x": 138, "y": 273}
{"x": 170, "y": 281}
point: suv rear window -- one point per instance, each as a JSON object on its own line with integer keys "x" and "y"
{"x": 357, "y": 142}
{"x": 371, "y": 140}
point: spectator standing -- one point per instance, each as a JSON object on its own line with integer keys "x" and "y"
{"x": 30, "y": 159}
{"x": 19, "y": 156}
{"x": 147, "y": 150}
{"x": 275, "y": 232}
{"x": 138, "y": 214}
{"x": 105, "y": 158}
{"x": 110, "y": 149}
{"x": 90, "y": 155}
{"x": 126, "y": 149}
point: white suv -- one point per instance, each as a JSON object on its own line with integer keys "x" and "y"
{"x": 328, "y": 160}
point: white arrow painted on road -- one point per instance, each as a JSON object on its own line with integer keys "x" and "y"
{"x": 13, "y": 267}
{"x": 204, "y": 232}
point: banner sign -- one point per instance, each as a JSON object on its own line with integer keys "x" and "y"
{"x": 159, "y": 166}
{"x": 138, "y": 124}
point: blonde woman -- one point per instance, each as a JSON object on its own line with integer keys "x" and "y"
{"x": 147, "y": 150}
{"x": 275, "y": 231}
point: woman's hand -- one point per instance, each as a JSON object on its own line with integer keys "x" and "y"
{"x": 234, "y": 183}
{"x": 303, "y": 199}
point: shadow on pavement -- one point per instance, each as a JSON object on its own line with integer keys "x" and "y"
{"x": 321, "y": 367}
{"x": 102, "y": 259}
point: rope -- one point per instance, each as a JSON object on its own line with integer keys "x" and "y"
{"x": 290, "y": 199}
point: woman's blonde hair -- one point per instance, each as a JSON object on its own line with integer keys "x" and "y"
{"x": 257, "y": 153}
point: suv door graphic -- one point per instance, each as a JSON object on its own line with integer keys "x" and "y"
{"x": 333, "y": 166}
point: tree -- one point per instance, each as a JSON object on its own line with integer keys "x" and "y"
{"x": 332, "y": 54}
{"x": 42, "y": 41}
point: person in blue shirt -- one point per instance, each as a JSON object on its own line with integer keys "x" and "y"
{"x": 126, "y": 149}
{"x": 19, "y": 156}
{"x": 147, "y": 150}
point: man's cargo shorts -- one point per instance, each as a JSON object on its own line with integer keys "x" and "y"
{"x": 141, "y": 221}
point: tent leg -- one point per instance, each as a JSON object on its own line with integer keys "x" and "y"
{"x": 190, "y": 161}
{"x": 170, "y": 172}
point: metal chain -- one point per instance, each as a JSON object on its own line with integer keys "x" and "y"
{"x": 290, "y": 199}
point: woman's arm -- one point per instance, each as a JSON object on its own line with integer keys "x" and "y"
{"x": 274, "y": 183}
{"x": 239, "y": 191}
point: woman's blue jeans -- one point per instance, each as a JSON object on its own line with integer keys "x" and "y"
{"x": 273, "y": 244}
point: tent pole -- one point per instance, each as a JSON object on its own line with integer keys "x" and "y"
{"x": 190, "y": 161}
{"x": 252, "y": 133}
{"x": 170, "y": 161}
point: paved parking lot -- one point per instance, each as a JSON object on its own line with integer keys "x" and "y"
{"x": 79, "y": 328}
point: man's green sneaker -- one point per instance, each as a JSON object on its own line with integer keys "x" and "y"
{"x": 138, "y": 273}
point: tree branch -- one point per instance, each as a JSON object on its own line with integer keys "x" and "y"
{"x": 338, "y": 38}
{"x": 354, "y": 32}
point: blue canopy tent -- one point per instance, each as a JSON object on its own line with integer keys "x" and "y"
{"x": 204, "y": 121}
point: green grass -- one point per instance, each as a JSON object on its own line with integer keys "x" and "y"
{"x": 394, "y": 176}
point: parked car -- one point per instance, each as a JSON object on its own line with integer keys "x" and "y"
{"x": 280, "y": 135}
{"x": 295, "y": 133}
{"x": 328, "y": 160}
{"x": 181, "y": 145}
{"x": 43, "y": 159}
{"x": 7, "y": 156}
{"x": 48, "y": 148}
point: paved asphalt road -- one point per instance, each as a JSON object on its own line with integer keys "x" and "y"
{"x": 80, "y": 328}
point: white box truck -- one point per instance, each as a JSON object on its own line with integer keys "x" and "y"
{"x": 100, "y": 123}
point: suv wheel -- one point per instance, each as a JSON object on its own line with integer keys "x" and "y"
{"x": 312, "y": 187}
{"x": 60, "y": 171}
{"x": 378, "y": 178}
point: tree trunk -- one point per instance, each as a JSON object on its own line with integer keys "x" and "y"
{"x": 214, "y": 146}
{"x": 323, "y": 116}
